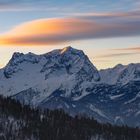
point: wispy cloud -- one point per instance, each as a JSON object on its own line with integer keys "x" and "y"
{"x": 60, "y": 30}
{"x": 116, "y": 55}
{"x": 137, "y": 49}
{"x": 119, "y": 52}
{"x": 88, "y": 5}
{"x": 22, "y": 5}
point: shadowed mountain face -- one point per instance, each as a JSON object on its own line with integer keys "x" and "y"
{"x": 67, "y": 79}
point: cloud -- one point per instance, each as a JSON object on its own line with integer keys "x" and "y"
{"x": 129, "y": 14}
{"x": 129, "y": 49}
{"x": 81, "y": 5}
{"x": 121, "y": 52}
{"x": 23, "y": 5}
{"x": 116, "y": 55}
{"x": 18, "y": 2}
{"x": 60, "y": 30}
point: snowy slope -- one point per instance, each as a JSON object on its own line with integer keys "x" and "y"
{"x": 121, "y": 74}
{"x": 68, "y": 69}
{"x": 65, "y": 78}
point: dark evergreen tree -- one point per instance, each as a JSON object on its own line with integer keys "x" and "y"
{"x": 21, "y": 122}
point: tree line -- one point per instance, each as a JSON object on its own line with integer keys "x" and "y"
{"x": 21, "y": 122}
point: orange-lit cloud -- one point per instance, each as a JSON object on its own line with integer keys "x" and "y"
{"x": 52, "y": 31}
{"x": 60, "y": 30}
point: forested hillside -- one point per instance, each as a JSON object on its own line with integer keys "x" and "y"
{"x": 20, "y": 122}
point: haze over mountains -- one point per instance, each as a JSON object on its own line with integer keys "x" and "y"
{"x": 65, "y": 78}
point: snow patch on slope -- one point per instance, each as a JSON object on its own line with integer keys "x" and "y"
{"x": 98, "y": 111}
{"x": 133, "y": 99}
{"x": 113, "y": 97}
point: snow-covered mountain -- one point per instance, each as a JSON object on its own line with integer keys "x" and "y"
{"x": 68, "y": 69}
{"x": 65, "y": 78}
{"x": 121, "y": 74}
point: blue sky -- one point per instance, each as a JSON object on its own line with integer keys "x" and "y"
{"x": 14, "y": 13}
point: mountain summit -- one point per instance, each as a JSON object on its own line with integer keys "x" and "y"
{"x": 68, "y": 69}
{"x": 65, "y": 78}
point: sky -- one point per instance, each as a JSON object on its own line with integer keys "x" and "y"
{"x": 108, "y": 31}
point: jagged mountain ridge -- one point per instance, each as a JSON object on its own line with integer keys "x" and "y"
{"x": 66, "y": 69}
{"x": 65, "y": 78}
{"x": 121, "y": 74}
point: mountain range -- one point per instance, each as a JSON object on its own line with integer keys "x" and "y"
{"x": 65, "y": 78}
